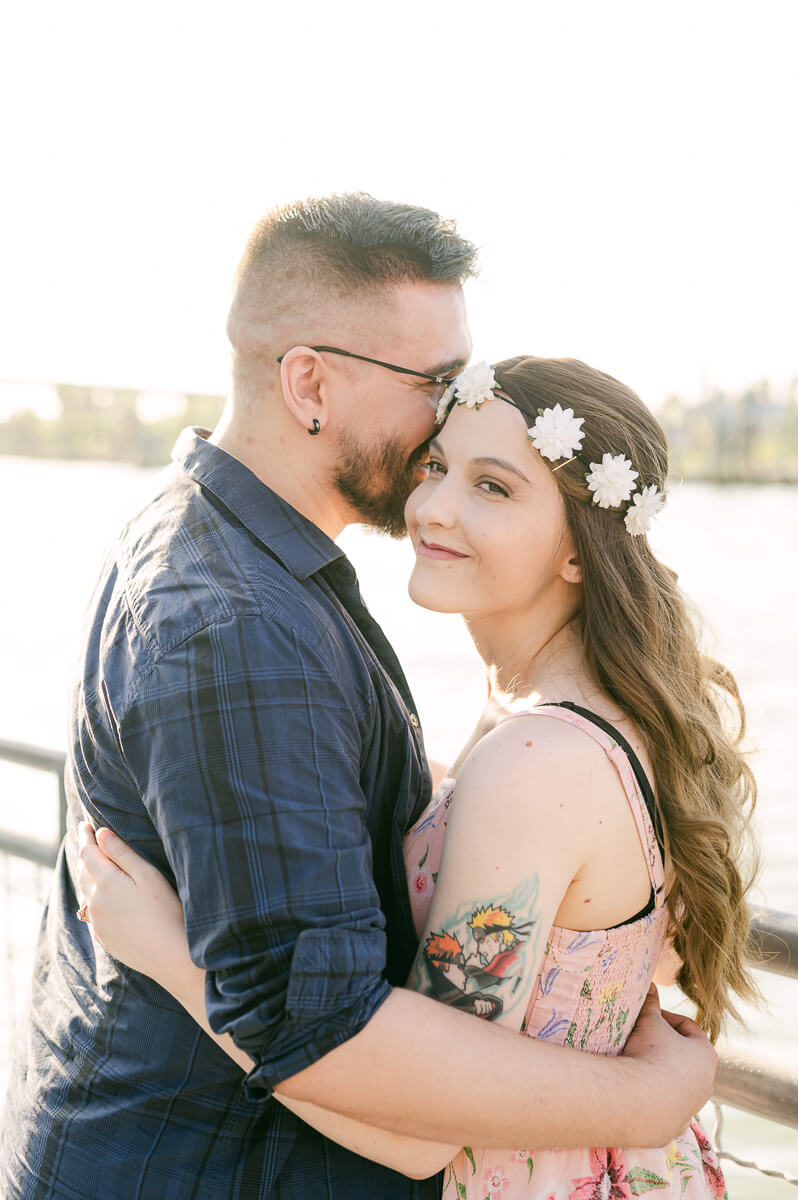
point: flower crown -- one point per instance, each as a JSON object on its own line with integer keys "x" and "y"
{"x": 557, "y": 434}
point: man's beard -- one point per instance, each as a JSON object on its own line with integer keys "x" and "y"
{"x": 376, "y": 481}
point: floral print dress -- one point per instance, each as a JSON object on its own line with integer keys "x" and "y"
{"x": 587, "y": 994}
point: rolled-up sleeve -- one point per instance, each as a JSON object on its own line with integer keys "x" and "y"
{"x": 246, "y": 743}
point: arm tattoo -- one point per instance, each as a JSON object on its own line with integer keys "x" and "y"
{"x": 476, "y": 962}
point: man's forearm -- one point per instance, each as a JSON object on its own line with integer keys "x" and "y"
{"x": 415, "y": 1157}
{"x": 482, "y": 1085}
{"x": 426, "y": 1070}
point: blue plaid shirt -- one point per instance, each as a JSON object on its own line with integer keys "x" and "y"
{"x": 243, "y": 722}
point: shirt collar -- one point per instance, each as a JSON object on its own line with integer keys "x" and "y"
{"x": 300, "y": 545}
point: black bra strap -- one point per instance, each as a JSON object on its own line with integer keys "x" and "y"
{"x": 637, "y": 766}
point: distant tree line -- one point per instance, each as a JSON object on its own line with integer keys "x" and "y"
{"x": 104, "y": 423}
{"x": 747, "y": 436}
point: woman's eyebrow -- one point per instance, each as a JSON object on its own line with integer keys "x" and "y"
{"x": 500, "y": 462}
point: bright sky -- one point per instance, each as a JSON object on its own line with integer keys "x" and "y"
{"x": 628, "y": 170}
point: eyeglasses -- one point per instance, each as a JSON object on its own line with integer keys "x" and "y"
{"x": 441, "y": 381}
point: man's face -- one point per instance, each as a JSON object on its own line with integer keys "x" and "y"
{"x": 389, "y": 417}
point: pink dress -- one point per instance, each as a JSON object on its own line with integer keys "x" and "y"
{"x": 587, "y": 994}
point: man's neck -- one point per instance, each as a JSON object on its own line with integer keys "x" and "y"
{"x": 309, "y": 495}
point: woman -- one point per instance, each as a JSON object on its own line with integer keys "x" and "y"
{"x": 600, "y": 809}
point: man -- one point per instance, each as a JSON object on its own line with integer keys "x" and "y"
{"x": 242, "y": 721}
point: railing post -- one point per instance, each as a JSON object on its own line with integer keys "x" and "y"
{"x": 748, "y": 1080}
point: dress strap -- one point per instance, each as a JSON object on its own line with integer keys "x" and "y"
{"x": 633, "y": 779}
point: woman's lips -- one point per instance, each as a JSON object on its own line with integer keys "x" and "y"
{"x": 430, "y": 550}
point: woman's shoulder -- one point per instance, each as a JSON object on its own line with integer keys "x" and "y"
{"x": 525, "y": 799}
{"x": 527, "y": 756}
{"x": 547, "y": 731}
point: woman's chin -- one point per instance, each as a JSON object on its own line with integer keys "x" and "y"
{"x": 430, "y": 594}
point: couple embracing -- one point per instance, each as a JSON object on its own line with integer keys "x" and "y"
{"x": 293, "y": 969}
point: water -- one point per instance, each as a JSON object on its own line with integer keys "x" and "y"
{"x": 733, "y": 548}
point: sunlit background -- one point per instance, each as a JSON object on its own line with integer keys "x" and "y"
{"x": 628, "y": 171}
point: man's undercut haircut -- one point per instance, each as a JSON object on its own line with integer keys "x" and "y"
{"x": 350, "y": 244}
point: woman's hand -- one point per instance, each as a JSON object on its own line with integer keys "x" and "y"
{"x": 134, "y": 913}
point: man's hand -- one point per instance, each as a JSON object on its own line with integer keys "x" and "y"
{"x": 682, "y": 1063}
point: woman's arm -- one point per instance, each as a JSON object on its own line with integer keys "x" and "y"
{"x": 137, "y": 917}
{"x": 517, "y": 836}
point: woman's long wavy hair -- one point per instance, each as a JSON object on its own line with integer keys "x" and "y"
{"x": 642, "y": 647}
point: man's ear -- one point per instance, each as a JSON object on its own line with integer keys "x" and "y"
{"x": 301, "y": 376}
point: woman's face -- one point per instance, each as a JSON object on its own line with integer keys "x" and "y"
{"x": 488, "y": 523}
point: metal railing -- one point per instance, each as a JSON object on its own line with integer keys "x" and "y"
{"x": 38, "y": 758}
{"x": 745, "y": 1079}
{"x": 25, "y": 871}
{"x": 774, "y": 938}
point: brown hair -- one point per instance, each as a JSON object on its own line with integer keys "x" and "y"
{"x": 347, "y": 244}
{"x": 642, "y": 647}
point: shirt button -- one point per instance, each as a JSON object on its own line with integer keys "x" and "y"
{"x": 414, "y": 720}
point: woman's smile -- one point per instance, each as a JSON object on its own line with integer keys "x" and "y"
{"x": 435, "y": 550}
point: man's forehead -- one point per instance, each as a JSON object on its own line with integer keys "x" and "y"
{"x": 419, "y": 325}
{"x": 431, "y": 318}
{"x": 428, "y": 298}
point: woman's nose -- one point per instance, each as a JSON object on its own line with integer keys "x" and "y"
{"x": 438, "y": 505}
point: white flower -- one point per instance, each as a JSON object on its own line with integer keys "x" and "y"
{"x": 443, "y": 405}
{"x": 557, "y": 433}
{"x": 474, "y": 385}
{"x": 611, "y": 481}
{"x": 644, "y": 507}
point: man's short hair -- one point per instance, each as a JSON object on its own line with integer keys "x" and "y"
{"x": 351, "y": 243}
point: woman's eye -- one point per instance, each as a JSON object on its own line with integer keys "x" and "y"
{"x": 435, "y": 468}
{"x": 493, "y": 488}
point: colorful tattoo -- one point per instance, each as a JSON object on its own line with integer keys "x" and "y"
{"x": 483, "y": 946}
